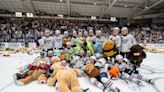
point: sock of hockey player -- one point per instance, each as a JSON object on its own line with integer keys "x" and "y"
{"x": 131, "y": 78}
{"x": 109, "y": 84}
{"x": 140, "y": 77}
{"x": 95, "y": 82}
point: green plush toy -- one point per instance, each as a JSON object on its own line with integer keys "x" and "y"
{"x": 69, "y": 53}
{"x": 90, "y": 45}
{"x": 78, "y": 47}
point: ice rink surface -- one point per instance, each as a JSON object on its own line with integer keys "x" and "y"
{"x": 152, "y": 67}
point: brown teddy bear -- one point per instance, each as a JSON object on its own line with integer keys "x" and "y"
{"x": 66, "y": 78}
{"x": 136, "y": 55}
{"x": 109, "y": 48}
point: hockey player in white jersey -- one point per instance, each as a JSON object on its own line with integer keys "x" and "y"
{"x": 128, "y": 72}
{"x": 58, "y": 39}
{"x": 127, "y": 41}
{"x": 116, "y": 37}
{"x": 92, "y": 36}
{"x": 48, "y": 41}
{"x": 74, "y": 37}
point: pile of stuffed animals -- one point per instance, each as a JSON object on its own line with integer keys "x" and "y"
{"x": 62, "y": 67}
{"x": 8, "y": 51}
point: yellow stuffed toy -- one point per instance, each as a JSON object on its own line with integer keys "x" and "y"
{"x": 66, "y": 78}
{"x": 109, "y": 48}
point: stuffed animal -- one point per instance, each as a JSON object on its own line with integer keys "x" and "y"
{"x": 113, "y": 71}
{"x": 136, "y": 55}
{"x": 50, "y": 53}
{"x": 55, "y": 59}
{"x": 79, "y": 45}
{"x": 66, "y": 79}
{"x": 90, "y": 45}
{"x": 109, "y": 48}
{"x": 57, "y": 52}
{"x": 91, "y": 71}
{"x": 62, "y": 56}
{"x": 69, "y": 51}
{"x": 76, "y": 62}
{"x": 32, "y": 75}
{"x": 6, "y": 54}
{"x": 36, "y": 71}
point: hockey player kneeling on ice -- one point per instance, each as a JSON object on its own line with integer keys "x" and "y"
{"x": 35, "y": 71}
{"x": 136, "y": 57}
{"x": 98, "y": 76}
{"x": 129, "y": 72}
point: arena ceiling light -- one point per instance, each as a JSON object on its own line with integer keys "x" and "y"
{"x": 94, "y": 3}
{"x": 29, "y": 15}
{"x": 146, "y": 7}
{"x": 60, "y": 15}
{"x": 18, "y": 14}
{"x": 113, "y": 19}
{"x": 61, "y": 1}
{"x": 93, "y": 17}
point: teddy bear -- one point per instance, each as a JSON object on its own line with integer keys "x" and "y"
{"x": 136, "y": 55}
{"x": 109, "y": 48}
{"x": 66, "y": 79}
{"x": 36, "y": 71}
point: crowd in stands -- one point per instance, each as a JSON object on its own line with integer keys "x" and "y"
{"x": 29, "y": 30}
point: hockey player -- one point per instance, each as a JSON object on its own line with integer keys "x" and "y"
{"x": 122, "y": 64}
{"x": 129, "y": 72}
{"x": 98, "y": 42}
{"x": 127, "y": 41}
{"x": 98, "y": 76}
{"x": 116, "y": 37}
{"x": 58, "y": 38}
{"x": 74, "y": 37}
{"x": 66, "y": 37}
{"x": 85, "y": 34}
{"x": 48, "y": 41}
{"x": 92, "y": 36}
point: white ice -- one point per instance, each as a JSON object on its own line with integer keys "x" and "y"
{"x": 152, "y": 67}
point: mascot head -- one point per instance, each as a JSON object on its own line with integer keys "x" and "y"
{"x": 109, "y": 49}
{"x": 108, "y": 45}
{"x": 136, "y": 50}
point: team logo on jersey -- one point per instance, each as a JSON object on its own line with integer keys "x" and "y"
{"x": 125, "y": 40}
